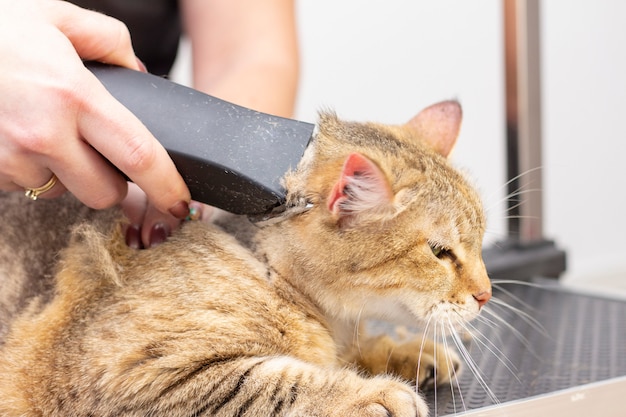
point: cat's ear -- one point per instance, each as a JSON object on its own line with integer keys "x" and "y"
{"x": 362, "y": 188}
{"x": 439, "y": 125}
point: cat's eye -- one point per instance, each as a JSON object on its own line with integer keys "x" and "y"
{"x": 439, "y": 251}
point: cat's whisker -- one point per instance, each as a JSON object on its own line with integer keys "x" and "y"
{"x": 476, "y": 334}
{"x": 500, "y": 235}
{"x": 452, "y": 374}
{"x": 513, "y": 207}
{"x": 507, "y": 183}
{"x": 518, "y": 335}
{"x": 520, "y": 217}
{"x": 456, "y": 378}
{"x": 519, "y": 176}
{"x": 443, "y": 334}
{"x": 356, "y": 338}
{"x": 497, "y": 284}
{"x": 419, "y": 357}
{"x": 469, "y": 361}
{"x": 389, "y": 358}
{"x": 435, "y": 368}
{"x": 492, "y": 348}
{"x": 502, "y": 322}
{"x": 519, "y": 192}
{"x": 511, "y": 196}
{"x": 527, "y": 318}
{"x": 486, "y": 321}
{"x": 517, "y": 282}
{"x": 505, "y": 235}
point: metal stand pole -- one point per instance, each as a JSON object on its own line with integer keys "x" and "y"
{"x": 526, "y": 253}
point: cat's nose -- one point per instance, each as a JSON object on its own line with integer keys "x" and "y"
{"x": 482, "y": 298}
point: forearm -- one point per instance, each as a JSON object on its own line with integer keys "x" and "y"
{"x": 245, "y": 51}
{"x": 260, "y": 86}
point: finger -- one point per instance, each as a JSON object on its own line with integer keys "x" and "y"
{"x": 89, "y": 176}
{"x": 57, "y": 190}
{"x": 94, "y": 35}
{"x": 52, "y": 188}
{"x": 135, "y": 205}
{"x": 9, "y": 186}
{"x": 47, "y": 144}
{"x": 122, "y": 139}
{"x": 200, "y": 211}
{"x": 21, "y": 172}
{"x": 157, "y": 227}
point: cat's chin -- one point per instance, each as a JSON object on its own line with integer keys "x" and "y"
{"x": 395, "y": 311}
{"x": 449, "y": 314}
{"x": 453, "y": 314}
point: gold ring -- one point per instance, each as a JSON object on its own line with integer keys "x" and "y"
{"x": 33, "y": 193}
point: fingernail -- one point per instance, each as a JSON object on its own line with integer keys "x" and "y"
{"x": 133, "y": 237}
{"x": 158, "y": 234}
{"x": 195, "y": 211}
{"x": 141, "y": 65}
{"x": 180, "y": 210}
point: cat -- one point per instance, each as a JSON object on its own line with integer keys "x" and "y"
{"x": 238, "y": 319}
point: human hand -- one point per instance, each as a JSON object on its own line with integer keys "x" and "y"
{"x": 57, "y": 118}
{"x": 149, "y": 227}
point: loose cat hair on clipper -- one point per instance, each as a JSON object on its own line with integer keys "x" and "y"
{"x": 237, "y": 319}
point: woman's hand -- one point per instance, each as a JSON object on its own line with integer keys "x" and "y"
{"x": 57, "y": 118}
{"x": 149, "y": 227}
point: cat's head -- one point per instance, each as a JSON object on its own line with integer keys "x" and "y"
{"x": 394, "y": 230}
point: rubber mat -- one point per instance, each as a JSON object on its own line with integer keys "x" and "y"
{"x": 561, "y": 340}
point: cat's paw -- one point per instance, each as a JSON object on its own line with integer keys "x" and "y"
{"x": 381, "y": 397}
{"x": 440, "y": 369}
{"x": 422, "y": 361}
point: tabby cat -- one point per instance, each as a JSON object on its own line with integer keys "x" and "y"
{"x": 236, "y": 319}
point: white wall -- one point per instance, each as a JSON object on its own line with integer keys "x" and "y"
{"x": 384, "y": 60}
{"x": 584, "y": 85}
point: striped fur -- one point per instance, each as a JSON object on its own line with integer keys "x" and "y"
{"x": 237, "y": 320}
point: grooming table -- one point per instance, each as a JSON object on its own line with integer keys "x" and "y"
{"x": 574, "y": 366}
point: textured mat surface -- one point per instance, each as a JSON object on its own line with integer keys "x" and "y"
{"x": 582, "y": 339}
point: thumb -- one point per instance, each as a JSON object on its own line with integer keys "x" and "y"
{"x": 95, "y": 36}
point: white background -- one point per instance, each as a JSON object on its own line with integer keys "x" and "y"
{"x": 385, "y": 60}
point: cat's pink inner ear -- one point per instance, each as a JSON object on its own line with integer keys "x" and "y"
{"x": 439, "y": 125}
{"x": 361, "y": 186}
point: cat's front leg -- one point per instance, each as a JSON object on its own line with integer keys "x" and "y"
{"x": 416, "y": 359}
{"x": 342, "y": 392}
{"x": 285, "y": 386}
